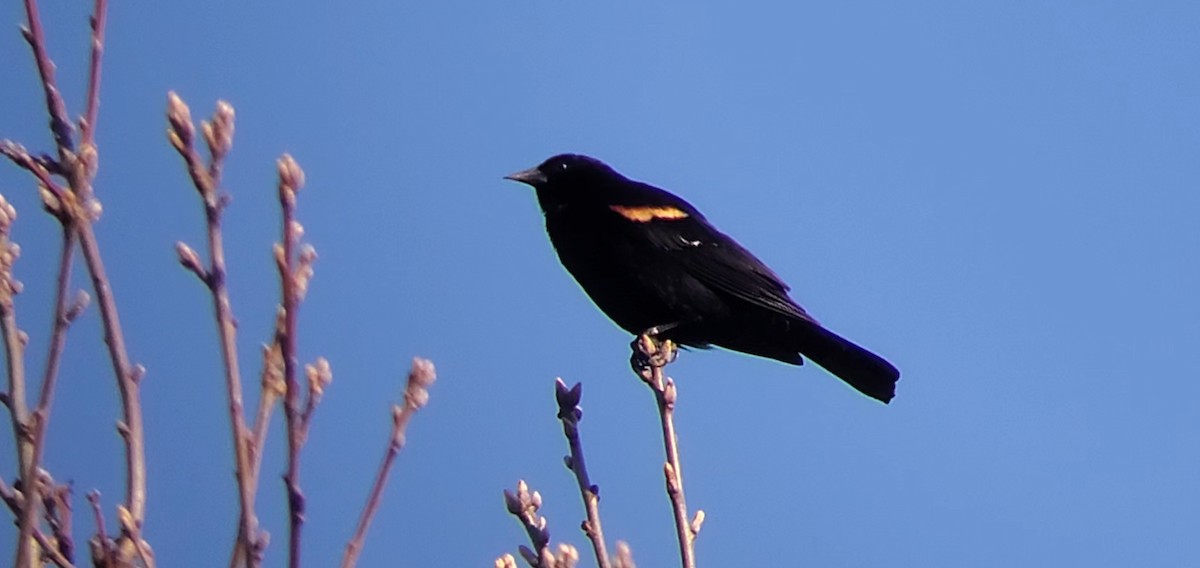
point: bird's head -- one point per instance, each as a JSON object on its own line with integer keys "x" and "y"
{"x": 570, "y": 179}
{"x": 565, "y": 171}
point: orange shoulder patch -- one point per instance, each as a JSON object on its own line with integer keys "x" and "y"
{"x": 647, "y": 213}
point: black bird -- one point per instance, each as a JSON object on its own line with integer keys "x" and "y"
{"x": 651, "y": 261}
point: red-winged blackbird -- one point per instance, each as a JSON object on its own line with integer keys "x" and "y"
{"x": 651, "y": 261}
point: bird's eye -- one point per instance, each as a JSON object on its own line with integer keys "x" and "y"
{"x": 562, "y": 166}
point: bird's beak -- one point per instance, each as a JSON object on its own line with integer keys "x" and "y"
{"x": 532, "y": 176}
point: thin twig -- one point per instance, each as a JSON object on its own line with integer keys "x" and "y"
{"x": 98, "y": 20}
{"x": 649, "y": 358}
{"x": 291, "y": 179}
{"x": 65, "y": 312}
{"x": 272, "y": 389}
{"x": 83, "y": 211}
{"x": 14, "y": 349}
{"x": 101, "y": 545}
{"x": 56, "y": 508}
{"x": 319, "y": 376}
{"x": 219, "y": 135}
{"x": 60, "y": 123}
{"x": 524, "y": 505}
{"x": 21, "y": 157}
{"x": 570, "y": 414}
{"x": 128, "y": 377}
{"x": 9, "y": 496}
{"x": 416, "y": 395}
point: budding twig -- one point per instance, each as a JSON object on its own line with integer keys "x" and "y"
{"x": 649, "y": 357}
{"x": 102, "y": 547}
{"x": 524, "y": 505}
{"x": 416, "y": 395}
{"x": 207, "y": 181}
{"x": 9, "y": 496}
{"x": 570, "y": 414}
{"x": 60, "y": 124}
{"x": 98, "y": 20}
{"x": 80, "y": 208}
{"x": 291, "y": 179}
{"x": 128, "y": 378}
{"x": 65, "y": 312}
{"x": 21, "y": 157}
{"x": 624, "y": 556}
{"x": 15, "y": 397}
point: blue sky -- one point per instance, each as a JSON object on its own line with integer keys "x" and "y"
{"x": 1000, "y": 197}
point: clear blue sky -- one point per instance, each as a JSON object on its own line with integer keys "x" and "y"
{"x": 1000, "y": 197}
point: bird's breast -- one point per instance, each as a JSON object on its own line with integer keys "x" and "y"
{"x": 637, "y": 283}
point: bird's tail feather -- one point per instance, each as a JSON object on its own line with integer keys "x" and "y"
{"x": 867, "y": 372}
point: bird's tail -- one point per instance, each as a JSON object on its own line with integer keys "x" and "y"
{"x": 867, "y": 372}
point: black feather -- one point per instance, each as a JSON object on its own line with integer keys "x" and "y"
{"x": 648, "y": 258}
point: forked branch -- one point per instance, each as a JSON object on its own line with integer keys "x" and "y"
{"x": 218, "y": 134}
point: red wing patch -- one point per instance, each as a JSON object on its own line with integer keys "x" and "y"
{"x": 647, "y": 213}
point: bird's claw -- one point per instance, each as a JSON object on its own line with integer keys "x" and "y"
{"x": 650, "y": 352}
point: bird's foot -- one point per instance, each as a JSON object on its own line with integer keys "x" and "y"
{"x": 650, "y": 352}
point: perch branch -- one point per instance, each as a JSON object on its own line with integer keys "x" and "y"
{"x": 649, "y": 357}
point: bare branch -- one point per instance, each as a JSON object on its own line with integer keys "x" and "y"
{"x": 416, "y": 395}
{"x": 570, "y": 414}
{"x": 14, "y": 347}
{"x": 88, "y": 123}
{"x": 64, "y": 313}
{"x": 78, "y": 209}
{"x": 272, "y": 389}
{"x": 649, "y": 358}
{"x": 207, "y": 182}
{"x": 53, "y": 194}
{"x": 131, "y": 428}
{"x": 102, "y": 547}
{"x": 60, "y": 124}
{"x": 291, "y": 179}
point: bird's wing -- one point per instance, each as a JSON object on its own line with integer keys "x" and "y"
{"x": 721, "y": 263}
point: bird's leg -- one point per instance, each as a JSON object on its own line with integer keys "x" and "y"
{"x": 649, "y": 351}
